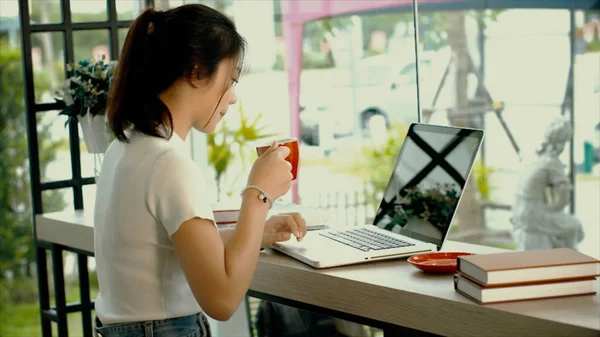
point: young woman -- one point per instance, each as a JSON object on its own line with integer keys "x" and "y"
{"x": 161, "y": 261}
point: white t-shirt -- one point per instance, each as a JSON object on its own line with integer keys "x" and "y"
{"x": 146, "y": 189}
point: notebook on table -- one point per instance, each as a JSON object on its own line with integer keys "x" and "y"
{"x": 226, "y": 214}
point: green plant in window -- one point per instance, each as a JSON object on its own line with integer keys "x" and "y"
{"x": 226, "y": 143}
{"x": 482, "y": 175}
{"x": 375, "y": 162}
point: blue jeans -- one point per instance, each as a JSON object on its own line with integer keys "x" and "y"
{"x": 188, "y": 326}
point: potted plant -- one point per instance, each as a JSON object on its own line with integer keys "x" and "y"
{"x": 84, "y": 94}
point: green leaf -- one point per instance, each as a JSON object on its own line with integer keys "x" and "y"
{"x": 221, "y": 143}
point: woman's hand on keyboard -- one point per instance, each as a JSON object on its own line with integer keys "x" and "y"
{"x": 280, "y": 228}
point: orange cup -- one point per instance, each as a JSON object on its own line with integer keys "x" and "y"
{"x": 292, "y": 144}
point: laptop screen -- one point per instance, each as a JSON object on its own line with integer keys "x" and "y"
{"x": 427, "y": 182}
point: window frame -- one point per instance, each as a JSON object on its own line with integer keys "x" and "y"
{"x": 58, "y": 313}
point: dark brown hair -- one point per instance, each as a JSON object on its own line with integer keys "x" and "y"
{"x": 189, "y": 41}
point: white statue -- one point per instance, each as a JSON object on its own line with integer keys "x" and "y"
{"x": 538, "y": 217}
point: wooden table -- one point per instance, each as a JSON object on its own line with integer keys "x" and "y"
{"x": 391, "y": 295}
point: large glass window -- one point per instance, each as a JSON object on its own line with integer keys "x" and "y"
{"x": 358, "y": 90}
{"x": 513, "y": 72}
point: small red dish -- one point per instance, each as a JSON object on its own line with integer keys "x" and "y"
{"x": 441, "y": 262}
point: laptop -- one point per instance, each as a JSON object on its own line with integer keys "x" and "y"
{"x": 416, "y": 210}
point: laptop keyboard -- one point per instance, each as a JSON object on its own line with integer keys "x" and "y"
{"x": 365, "y": 240}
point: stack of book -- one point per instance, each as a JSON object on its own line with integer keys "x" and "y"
{"x": 526, "y": 275}
{"x": 226, "y": 213}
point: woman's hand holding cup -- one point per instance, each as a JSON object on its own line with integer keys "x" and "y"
{"x": 272, "y": 172}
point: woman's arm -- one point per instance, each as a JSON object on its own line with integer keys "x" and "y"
{"x": 220, "y": 273}
{"x": 226, "y": 234}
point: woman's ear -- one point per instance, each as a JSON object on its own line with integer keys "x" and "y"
{"x": 197, "y": 80}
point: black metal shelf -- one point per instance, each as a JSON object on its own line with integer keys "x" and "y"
{"x": 52, "y": 315}
{"x": 63, "y": 27}
{"x": 53, "y": 185}
{"x": 50, "y": 245}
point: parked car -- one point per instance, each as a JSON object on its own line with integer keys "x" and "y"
{"x": 310, "y": 118}
{"x": 382, "y": 87}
